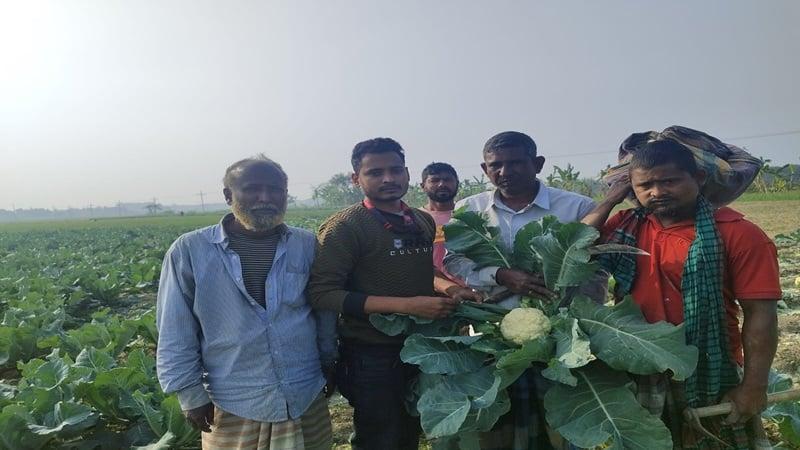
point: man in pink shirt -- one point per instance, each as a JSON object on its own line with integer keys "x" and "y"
{"x": 440, "y": 184}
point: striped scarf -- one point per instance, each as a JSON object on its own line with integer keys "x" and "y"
{"x": 703, "y": 303}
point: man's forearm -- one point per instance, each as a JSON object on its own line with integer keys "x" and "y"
{"x": 386, "y": 305}
{"x": 760, "y": 340}
{"x": 599, "y": 215}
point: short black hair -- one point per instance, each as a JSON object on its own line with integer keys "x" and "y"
{"x": 663, "y": 152}
{"x": 376, "y": 145}
{"x": 236, "y": 169}
{"x": 510, "y": 139}
{"x": 436, "y": 168}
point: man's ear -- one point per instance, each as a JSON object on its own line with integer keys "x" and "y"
{"x": 538, "y": 162}
{"x": 483, "y": 166}
{"x": 701, "y": 177}
{"x": 228, "y": 196}
{"x": 354, "y": 179}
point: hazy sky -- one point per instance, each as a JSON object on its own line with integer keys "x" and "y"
{"x": 104, "y": 101}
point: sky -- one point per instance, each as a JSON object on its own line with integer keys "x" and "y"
{"x": 106, "y": 101}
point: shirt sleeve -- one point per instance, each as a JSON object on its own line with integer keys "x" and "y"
{"x": 178, "y": 358}
{"x": 327, "y": 336}
{"x": 586, "y": 207}
{"x": 337, "y": 249}
{"x": 753, "y": 265}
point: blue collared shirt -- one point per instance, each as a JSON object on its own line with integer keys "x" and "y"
{"x": 216, "y": 343}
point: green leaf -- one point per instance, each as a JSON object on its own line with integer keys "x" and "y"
{"x": 468, "y": 233}
{"x": 442, "y": 411}
{"x": 67, "y": 419}
{"x": 14, "y": 432}
{"x": 164, "y": 443}
{"x": 492, "y": 346}
{"x": 153, "y": 417}
{"x": 433, "y": 355}
{"x": 524, "y": 257}
{"x": 111, "y": 392}
{"x": 176, "y": 423}
{"x": 391, "y": 324}
{"x": 511, "y": 364}
{"x": 539, "y": 350}
{"x": 616, "y": 248}
{"x": 622, "y": 338}
{"x": 565, "y": 255}
{"x": 481, "y": 312}
{"x": 94, "y": 359}
{"x": 556, "y": 371}
{"x": 572, "y": 345}
{"x": 602, "y": 409}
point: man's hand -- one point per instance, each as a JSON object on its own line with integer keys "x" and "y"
{"x": 330, "y": 380}
{"x": 524, "y": 283}
{"x": 747, "y": 401}
{"x": 463, "y": 294}
{"x": 201, "y": 418}
{"x": 430, "y": 307}
{"x": 618, "y": 191}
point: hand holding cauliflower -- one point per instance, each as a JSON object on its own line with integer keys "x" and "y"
{"x": 521, "y": 325}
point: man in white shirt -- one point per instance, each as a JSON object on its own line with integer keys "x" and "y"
{"x": 511, "y": 164}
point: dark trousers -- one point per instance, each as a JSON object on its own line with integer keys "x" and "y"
{"x": 374, "y": 380}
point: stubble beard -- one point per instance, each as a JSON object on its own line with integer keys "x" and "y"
{"x": 257, "y": 221}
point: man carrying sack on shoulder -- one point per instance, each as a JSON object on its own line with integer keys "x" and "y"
{"x": 703, "y": 265}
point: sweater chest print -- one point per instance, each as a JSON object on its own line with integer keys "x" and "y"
{"x": 411, "y": 247}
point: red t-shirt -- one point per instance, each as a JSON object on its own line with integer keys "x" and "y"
{"x": 751, "y": 267}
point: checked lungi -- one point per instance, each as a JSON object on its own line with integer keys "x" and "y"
{"x": 312, "y": 431}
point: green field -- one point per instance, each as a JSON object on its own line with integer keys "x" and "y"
{"x": 78, "y": 332}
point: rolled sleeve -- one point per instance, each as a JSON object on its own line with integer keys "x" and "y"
{"x": 179, "y": 364}
{"x": 193, "y": 397}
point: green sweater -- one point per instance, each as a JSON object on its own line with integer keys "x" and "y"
{"x": 357, "y": 257}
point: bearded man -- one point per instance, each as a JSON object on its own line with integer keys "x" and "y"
{"x": 704, "y": 268}
{"x": 237, "y": 341}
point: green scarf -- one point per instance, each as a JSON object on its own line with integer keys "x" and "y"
{"x": 705, "y": 323}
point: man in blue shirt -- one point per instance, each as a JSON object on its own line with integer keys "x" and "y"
{"x": 238, "y": 342}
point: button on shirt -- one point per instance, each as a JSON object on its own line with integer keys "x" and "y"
{"x": 564, "y": 205}
{"x": 216, "y": 343}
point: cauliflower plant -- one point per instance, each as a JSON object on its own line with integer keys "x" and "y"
{"x": 524, "y": 324}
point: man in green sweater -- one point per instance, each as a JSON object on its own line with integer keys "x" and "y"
{"x": 377, "y": 257}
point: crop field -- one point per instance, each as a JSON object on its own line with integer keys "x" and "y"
{"x": 77, "y": 336}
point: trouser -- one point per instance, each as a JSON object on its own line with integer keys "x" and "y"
{"x": 374, "y": 380}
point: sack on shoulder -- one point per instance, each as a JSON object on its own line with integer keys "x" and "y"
{"x": 730, "y": 169}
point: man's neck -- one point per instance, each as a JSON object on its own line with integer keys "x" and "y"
{"x": 440, "y": 206}
{"x": 392, "y": 206}
{"x": 520, "y": 201}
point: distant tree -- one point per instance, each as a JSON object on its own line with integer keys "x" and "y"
{"x": 338, "y": 191}
{"x": 569, "y": 179}
{"x": 153, "y": 208}
{"x": 472, "y": 186}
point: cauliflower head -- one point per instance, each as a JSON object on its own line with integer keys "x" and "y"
{"x": 524, "y": 324}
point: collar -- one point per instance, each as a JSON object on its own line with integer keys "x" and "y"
{"x": 542, "y": 200}
{"x": 220, "y": 236}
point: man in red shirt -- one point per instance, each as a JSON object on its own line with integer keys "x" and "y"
{"x": 703, "y": 266}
